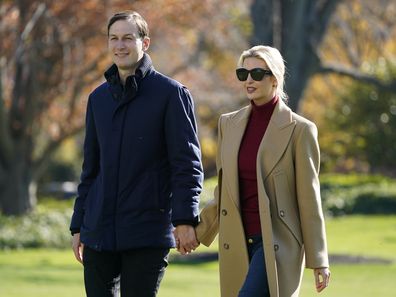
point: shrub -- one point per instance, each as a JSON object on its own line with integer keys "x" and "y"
{"x": 48, "y": 225}
{"x": 44, "y": 227}
{"x": 358, "y": 194}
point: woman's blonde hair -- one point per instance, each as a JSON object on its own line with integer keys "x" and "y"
{"x": 274, "y": 60}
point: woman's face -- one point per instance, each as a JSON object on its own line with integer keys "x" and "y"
{"x": 261, "y": 91}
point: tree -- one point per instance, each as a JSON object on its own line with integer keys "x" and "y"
{"x": 298, "y": 29}
{"x": 52, "y": 54}
{"x": 363, "y": 122}
{"x": 44, "y": 74}
{"x": 354, "y": 108}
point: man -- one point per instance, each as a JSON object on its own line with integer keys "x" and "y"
{"x": 141, "y": 173}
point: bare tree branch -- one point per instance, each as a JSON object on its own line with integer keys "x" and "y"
{"x": 41, "y": 8}
{"x": 193, "y": 58}
{"x": 24, "y": 88}
{"x": 80, "y": 83}
{"x": 323, "y": 12}
{"x": 39, "y": 165}
{"x": 357, "y": 75}
{"x": 347, "y": 40}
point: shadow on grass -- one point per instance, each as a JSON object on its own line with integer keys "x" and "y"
{"x": 197, "y": 258}
{"x": 194, "y": 258}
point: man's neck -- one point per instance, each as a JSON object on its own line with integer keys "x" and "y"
{"x": 124, "y": 74}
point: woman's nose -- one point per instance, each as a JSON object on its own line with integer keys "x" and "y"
{"x": 249, "y": 78}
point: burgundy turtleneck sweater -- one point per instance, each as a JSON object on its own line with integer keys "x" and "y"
{"x": 248, "y": 193}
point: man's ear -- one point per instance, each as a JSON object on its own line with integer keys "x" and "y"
{"x": 145, "y": 43}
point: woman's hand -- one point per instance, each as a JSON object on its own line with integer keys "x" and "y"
{"x": 322, "y": 278}
{"x": 186, "y": 239}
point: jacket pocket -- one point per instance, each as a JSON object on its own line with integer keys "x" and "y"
{"x": 286, "y": 204}
{"x": 142, "y": 194}
{"x": 92, "y": 206}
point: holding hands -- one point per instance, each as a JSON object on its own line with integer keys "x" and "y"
{"x": 186, "y": 239}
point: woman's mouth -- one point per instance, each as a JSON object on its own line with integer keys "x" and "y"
{"x": 250, "y": 90}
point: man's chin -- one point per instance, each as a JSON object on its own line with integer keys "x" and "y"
{"x": 124, "y": 66}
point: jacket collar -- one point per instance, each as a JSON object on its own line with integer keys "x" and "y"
{"x": 112, "y": 76}
{"x": 145, "y": 65}
{"x": 126, "y": 93}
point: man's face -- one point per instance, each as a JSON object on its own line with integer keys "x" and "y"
{"x": 125, "y": 45}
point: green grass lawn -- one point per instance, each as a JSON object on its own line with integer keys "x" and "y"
{"x": 42, "y": 272}
{"x": 363, "y": 235}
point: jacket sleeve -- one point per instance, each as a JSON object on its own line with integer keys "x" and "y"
{"x": 90, "y": 169}
{"x": 184, "y": 155}
{"x": 307, "y": 160}
{"x": 208, "y": 226}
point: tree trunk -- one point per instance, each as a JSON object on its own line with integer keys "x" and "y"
{"x": 18, "y": 193}
{"x": 296, "y": 28}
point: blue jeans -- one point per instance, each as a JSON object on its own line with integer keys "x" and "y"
{"x": 256, "y": 284}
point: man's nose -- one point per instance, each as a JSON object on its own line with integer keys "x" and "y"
{"x": 120, "y": 44}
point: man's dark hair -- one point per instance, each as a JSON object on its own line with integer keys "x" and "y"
{"x": 130, "y": 15}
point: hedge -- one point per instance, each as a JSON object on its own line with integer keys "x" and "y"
{"x": 358, "y": 194}
{"x": 47, "y": 226}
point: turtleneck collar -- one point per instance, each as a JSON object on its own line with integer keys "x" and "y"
{"x": 267, "y": 107}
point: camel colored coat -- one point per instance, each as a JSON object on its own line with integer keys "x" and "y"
{"x": 292, "y": 222}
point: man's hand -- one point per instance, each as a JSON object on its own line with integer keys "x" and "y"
{"x": 78, "y": 247}
{"x": 186, "y": 239}
{"x": 322, "y": 278}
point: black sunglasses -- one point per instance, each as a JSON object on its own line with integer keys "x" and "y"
{"x": 256, "y": 73}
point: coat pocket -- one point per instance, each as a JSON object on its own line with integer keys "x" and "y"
{"x": 287, "y": 207}
{"x": 92, "y": 206}
{"x": 142, "y": 194}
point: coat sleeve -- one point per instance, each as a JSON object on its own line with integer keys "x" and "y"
{"x": 184, "y": 155}
{"x": 307, "y": 160}
{"x": 208, "y": 226}
{"x": 90, "y": 168}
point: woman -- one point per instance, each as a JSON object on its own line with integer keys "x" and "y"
{"x": 267, "y": 206}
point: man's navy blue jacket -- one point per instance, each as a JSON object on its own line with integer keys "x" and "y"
{"x": 142, "y": 162}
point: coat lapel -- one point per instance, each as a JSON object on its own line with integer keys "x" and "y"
{"x": 271, "y": 149}
{"x": 276, "y": 139}
{"x": 230, "y": 149}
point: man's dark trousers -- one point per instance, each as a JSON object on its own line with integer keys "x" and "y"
{"x": 135, "y": 272}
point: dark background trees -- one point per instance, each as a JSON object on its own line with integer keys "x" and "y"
{"x": 353, "y": 104}
{"x": 54, "y": 52}
{"x": 44, "y": 74}
{"x": 298, "y": 29}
